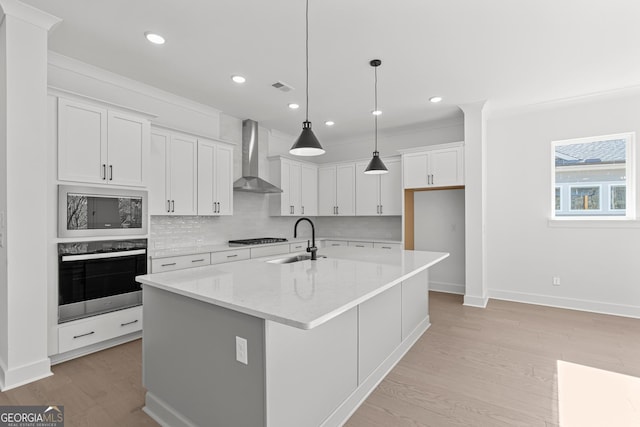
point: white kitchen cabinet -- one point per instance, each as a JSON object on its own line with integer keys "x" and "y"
{"x": 173, "y": 183}
{"x": 159, "y": 265}
{"x": 92, "y": 330}
{"x": 379, "y": 194}
{"x": 434, "y": 167}
{"x": 359, "y": 244}
{"x": 336, "y": 190}
{"x": 215, "y": 178}
{"x": 299, "y": 184}
{"x": 99, "y": 145}
{"x": 334, "y": 243}
{"x": 392, "y": 246}
{"x": 230, "y": 256}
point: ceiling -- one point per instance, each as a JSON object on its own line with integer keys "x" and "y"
{"x": 510, "y": 52}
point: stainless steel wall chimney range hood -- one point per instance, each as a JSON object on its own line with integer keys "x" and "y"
{"x": 250, "y": 181}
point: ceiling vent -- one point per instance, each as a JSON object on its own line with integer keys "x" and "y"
{"x": 281, "y": 86}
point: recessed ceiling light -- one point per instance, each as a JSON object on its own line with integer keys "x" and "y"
{"x": 329, "y": 123}
{"x": 435, "y": 99}
{"x": 154, "y": 38}
{"x": 294, "y": 106}
{"x": 238, "y": 79}
{"x": 376, "y": 112}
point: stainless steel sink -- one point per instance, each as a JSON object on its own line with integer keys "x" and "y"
{"x": 293, "y": 258}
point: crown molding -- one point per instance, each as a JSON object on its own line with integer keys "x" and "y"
{"x": 66, "y": 63}
{"x": 28, "y": 14}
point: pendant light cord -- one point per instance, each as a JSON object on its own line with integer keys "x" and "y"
{"x": 307, "y": 56}
{"x": 375, "y": 117}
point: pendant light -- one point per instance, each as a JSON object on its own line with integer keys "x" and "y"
{"x": 376, "y": 166}
{"x": 307, "y": 144}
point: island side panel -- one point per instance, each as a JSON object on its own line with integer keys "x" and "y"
{"x": 310, "y": 372}
{"x": 189, "y": 362}
{"x": 415, "y": 302}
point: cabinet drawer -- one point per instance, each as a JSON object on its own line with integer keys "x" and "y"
{"x": 394, "y": 246}
{"x": 269, "y": 250}
{"x": 333, "y": 243}
{"x": 230, "y": 256}
{"x": 82, "y": 333}
{"x": 297, "y": 247}
{"x": 178, "y": 262}
{"x": 357, "y": 244}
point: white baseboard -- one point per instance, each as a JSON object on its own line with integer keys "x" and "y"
{"x": 25, "y": 374}
{"x": 474, "y": 301}
{"x": 568, "y": 303}
{"x": 450, "y": 288}
{"x": 340, "y": 416}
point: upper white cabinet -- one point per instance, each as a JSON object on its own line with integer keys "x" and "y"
{"x": 299, "y": 184}
{"x": 100, "y": 145}
{"x": 173, "y": 181}
{"x": 336, "y": 190}
{"x": 435, "y": 166}
{"x": 379, "y": 194}
{"x": 215, "y": 178}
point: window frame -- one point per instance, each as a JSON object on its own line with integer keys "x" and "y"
{"x": 585, "y": 212}
{"x": 611, "y": 186}
{"x": 629, "y": 183}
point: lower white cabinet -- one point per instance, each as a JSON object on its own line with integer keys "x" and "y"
{"x": 356, "y": 244}
{"x": 261, "y": 251}
{"x": 297, "y": 247}
{"x": 159, "y": 265}
{"x": 230, "y": 256}
{"x": 333, "y": 243}
{"x": 84, "y": 332}
{"x": 394, "y": 246}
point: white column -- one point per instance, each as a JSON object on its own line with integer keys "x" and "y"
{"x": 475, "y": 178}
{"x": 23, "y": 209}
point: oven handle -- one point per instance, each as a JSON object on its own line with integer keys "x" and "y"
{"x": 83, "y": 257}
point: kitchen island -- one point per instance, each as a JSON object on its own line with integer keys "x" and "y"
{"x": 259, "y": 343}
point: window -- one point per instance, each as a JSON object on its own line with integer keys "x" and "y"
{"x": 595, "y": 175}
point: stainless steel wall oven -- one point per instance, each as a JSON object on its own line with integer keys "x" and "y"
{"x": 99, "y": 276}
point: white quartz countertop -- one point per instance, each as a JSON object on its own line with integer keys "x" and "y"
{"x": 200, "y": 249}
{"x": 303, "y": 294}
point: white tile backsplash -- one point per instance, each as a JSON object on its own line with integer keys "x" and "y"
{"x": 251, "y": 219}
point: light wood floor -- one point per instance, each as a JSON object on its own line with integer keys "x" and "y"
{"x": 474, "y": 367}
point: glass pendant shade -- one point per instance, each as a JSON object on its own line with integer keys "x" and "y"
{"x": 307, "y": 144}
{"x": 376, "y": 165}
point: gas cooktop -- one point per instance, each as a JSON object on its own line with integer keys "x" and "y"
{"x": 257, "y": 241}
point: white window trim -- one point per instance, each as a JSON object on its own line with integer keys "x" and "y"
{"x": 559, "y": 189}
{"x": 629, "y": 219}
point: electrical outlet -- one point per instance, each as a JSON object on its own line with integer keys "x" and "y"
{"x": 556, "y": 281}
{"x": 241, "y": 350}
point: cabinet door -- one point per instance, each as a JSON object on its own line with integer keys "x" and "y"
{"x": 294, "y": 188}
{"x": 415, "y": 170}
{"x": 82, "y": 142}
{"x": 224, "y": 179}
{"x": 206, "y": 178}
{"x": 346, "y": 189}
{"x": 367, "y": 192}
{"x": 128, "y": 149}
{"x": 183, "y": 176}
{"x": 309, "y": 190}
{"x": 327, "y": 191}
{"x": 391, "y": 189}
{"x": 445, "y": 167}
{"x": 158, "y": 177}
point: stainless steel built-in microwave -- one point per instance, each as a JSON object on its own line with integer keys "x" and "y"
{"x": 99, "y": 211}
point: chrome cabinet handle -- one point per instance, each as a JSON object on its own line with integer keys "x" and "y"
{"x": 385, "y": 247}
{"x": 84, "y": 335}
{"x": 110, "y": 172}
{"x": 377, "y": 209}
{"x": 168, "y": 205}
{"x": 302, "y": 209}
{"x": 197, "y": 260}
{"x": 167, "y": 265}
{"x": 173, "y": 205}
{"x": 380, "y": 209}
{"x": 232, "y": 256}
{"x": 104, "y": 171}
{"x": 337, "y": 210}
{"x": 129, "y": 323}
{"x": 218, "y": 207}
